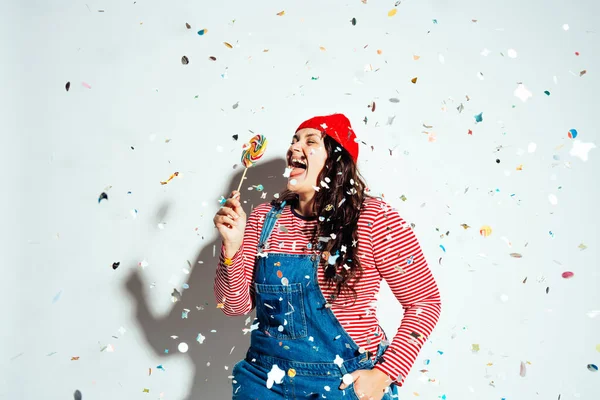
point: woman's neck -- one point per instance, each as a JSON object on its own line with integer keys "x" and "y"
{"x": 304, "y": 206}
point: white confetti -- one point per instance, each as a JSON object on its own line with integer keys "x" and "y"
{"x": 276, "y": 375}
{"x": 512, "y": 53}
{"x": 581, "y": 149}
{"x": 531, "y": 148}
{"x": 522, "y": 93}
{"x": 183, "y": 347}
{"x": 553, "y": 199}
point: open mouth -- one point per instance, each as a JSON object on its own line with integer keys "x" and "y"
{"x": 297, "y": 165}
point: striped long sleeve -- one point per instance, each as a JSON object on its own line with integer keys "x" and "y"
{"x": 401, "y": 262}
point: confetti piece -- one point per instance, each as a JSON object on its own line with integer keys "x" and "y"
{"x": 87, "y": 85}
{"x": 392, "y": 12}
{"x": 56, "y": 297}
{"x": 414, "y": 80}
{"x": 116, "y": 265}
{"x": 146, "y": 390}
{"x": 567, "y": 274}
{"x": 183, "y": 347}
{"x": 485, "y": 231}
{"x": 572, "y": 133}
{"x": 74, "y": 358}
{"x": 170, "y": 178}
{"x": 212, "y": 58}
{"x": 353, "y": 21}
{"x": 202, "y": 32}
{"x": 77, "y": 395}
{"x": 479, "y": 117}
{"x": 185, "y": 60}
{"x": 522, "y": 93}
{"x": 68, "y": 86}
{"x": 547, "y": 93}
{"x": 522, "y": 370}
{"x": 582, "y": 73}
{"x": 281, "y": 13}
{"x": 581, "y": 149}
{"x": 512, "y": 53}
{"x": 592, "y": 367}
{"x": 228, "y": 45}
{"x": 516, "y": 255}
{"x": 188, "y": 26}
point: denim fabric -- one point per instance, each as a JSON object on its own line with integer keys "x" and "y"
{"x": 296, "y": 333}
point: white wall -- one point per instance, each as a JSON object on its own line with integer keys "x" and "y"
{"x": 145, "y": 116}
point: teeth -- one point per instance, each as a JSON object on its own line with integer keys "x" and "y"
{"x": 295, "y": 160}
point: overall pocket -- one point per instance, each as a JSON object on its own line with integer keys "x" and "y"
{"x": 280, "y": 310}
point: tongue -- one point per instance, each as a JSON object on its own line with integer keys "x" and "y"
{"x": 297, "y": 171}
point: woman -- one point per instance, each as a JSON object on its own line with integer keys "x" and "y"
{"x": 311, "y": 262}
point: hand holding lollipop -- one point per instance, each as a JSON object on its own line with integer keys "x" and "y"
{"x": 253, "y": 151}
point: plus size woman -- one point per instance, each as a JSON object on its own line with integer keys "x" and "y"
{"x": 311, "y": 263}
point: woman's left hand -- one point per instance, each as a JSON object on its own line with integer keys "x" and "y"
{"x": 369, "y": 384}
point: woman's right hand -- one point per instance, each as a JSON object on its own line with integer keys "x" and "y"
{"x": 230, "y": 220}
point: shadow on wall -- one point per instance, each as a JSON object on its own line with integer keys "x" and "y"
{"x": 209, "y": 381}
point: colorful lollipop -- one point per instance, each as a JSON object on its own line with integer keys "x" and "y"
{"x": 253, "y": 151}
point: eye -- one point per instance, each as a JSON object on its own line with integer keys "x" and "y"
{"x": 311, "y": 141}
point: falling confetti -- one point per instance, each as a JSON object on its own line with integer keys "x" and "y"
{"x": 185, "y": 60}
{"x": 68, "y": 86}
{"x": 479, "y": 118}
{"x": 281, "y": 13}
{"x": 170, "y": 178}
{"x": 572, "y": 133}
{"x": 202, "y": 32}
{"x": 228, "y": 45}
{"x": 567, "y": 274}
{"x": 485, "y": 231}
{"x": 392, "y": 12}
{"x": 522, "y": 93}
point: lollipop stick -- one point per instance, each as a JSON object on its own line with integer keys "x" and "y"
{"x": 242, "y": 180}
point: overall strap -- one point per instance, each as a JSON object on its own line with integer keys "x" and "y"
{"x": 268, "y": 225}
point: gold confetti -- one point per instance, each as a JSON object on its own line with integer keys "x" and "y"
{"x": 416, "y": 57}
{"x": 291, "y": 372}
{"x": 414, "y": 80}
{"x": 74, "y": 358}
{"x": 281, "y": 13}
{"x": 228, "y": 45}
{"x": 170, "y": 178}
{"x": 379, "y": 52}
{"x": 392, "y": 12}
{"x": 146, "y": 390}
{"x": 322, "y": 48}
{"x": 516, "y": 255}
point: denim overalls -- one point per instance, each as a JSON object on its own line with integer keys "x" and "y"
{"x": 299, "y": 349}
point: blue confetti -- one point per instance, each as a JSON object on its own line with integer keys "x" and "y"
{"x": 166, "y": 351}
{"x": 443, "y": 248}
{"x": 186, "y": 286}
{"x": 479, "y": 117}
{"x": 57, "y": 297}
{"x": 160, "y": 367}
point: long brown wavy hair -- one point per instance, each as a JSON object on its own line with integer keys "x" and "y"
{"x": 338, "y": 209}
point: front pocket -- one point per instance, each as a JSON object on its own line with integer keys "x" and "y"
{"x": 280, "y": 310}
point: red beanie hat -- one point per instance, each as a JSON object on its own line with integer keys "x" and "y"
{"x": 338, "y": 127}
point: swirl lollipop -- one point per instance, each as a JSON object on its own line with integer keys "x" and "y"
{"x": 253, "y": 151}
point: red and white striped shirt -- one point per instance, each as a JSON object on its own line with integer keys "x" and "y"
{"x": 387, "y": 248}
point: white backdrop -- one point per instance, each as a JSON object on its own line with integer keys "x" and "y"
{"x": 134, "y": 115}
